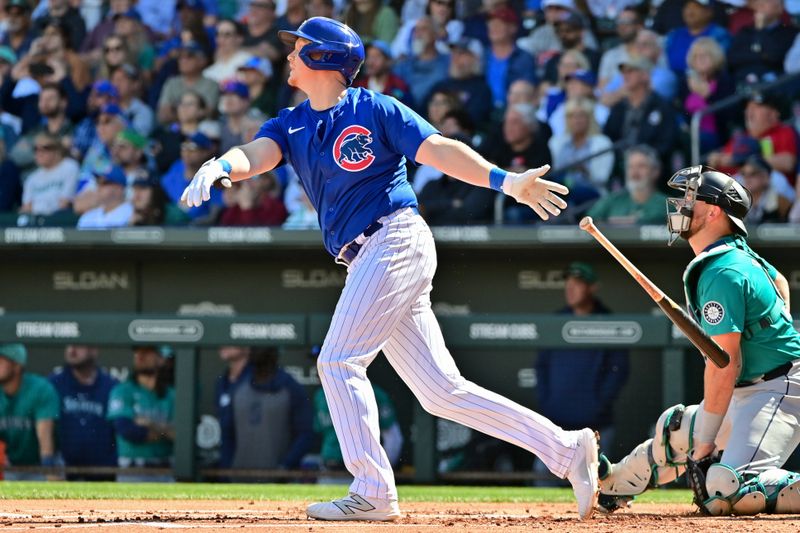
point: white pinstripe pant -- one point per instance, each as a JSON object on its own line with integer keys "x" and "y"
{"x": 385, "y": 305}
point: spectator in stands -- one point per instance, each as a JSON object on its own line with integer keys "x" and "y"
{"x": 466, "y": 79}
{"x": 52, "y": 108}
{"x": 447, "y": 201}
{"x": 10, "y": 185}
{"x": 443, "y": 15}
{"x": 229, "y": 55}
{"x": 28, "y": 411}
{"x": 192, "y": 110}
{"x": 19, "y": 34}
{"x": 521, "y": 92}
{"x": 629, "y": 23}
{"x": 51, "y": 186}
{"x": 321, "y": 8}
{"x": 707, "y": 82}
{"x": 553, "y": 96}
{"x": 372, "y": 19}
{"x": 757, "y": 51}
{"x": 127, "y": 151}
{"x": 294, "y": 14}
{"x": 233, "y": 105}
{"x": 151, "y": 207}
{"x": 768, "y": 204}
{"x": 698, "y": 17}
{"x": 54, "y": 48}
{"x": 272, "y": 409}
{"x": 762, "y": 120}
{"x": 128, "y": 81}
{"x": 262, "y": 31}
{"x": 523, "y": 145}
{"x": 569, "y": 31}
{"x": 330, "y": 451}
{"x": 102, "y": 94}
{"x": 191, "y": 62}
{"x": 791, "y": 63}
{"x": 639, "y": 202}
{"x": 579, "y": 386}
{"x": 256, "y": 73}
{"x": 115, "y": 53}
{"x": 439, "y": 103}
{"x": 129, "y": 27}
{"x": 62, "y": 13}
{"x": 112, "y": 210}
{"x": 426, "y": 66}
{"x": 253, "y": 204}
{"x": 91, "y": 46}
{"x": 578, "y": 84}
{"x": 543, "y": 43}
{"x": 505, "y": 62}
{"x": 662, "y": 79}
{"x": 582, "y": 139}
{"x": 98, "y": 159}
{"x": 85, "y": 435}
{"x": 642, "y": 116}
{"x": 195, "y": 150}
{"x": 238, "y": 371}
{"x": 301, "y": 211}
{"x": 377, "y": 74}
{"x": 142, "y": 410}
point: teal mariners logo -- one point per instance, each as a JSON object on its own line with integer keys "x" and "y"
{"x": 713, "y": 313}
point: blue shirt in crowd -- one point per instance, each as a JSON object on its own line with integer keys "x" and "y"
{"x": 174, "y": 183}
{"x": 85, "y": 436}
{"x": 679, "y": 41}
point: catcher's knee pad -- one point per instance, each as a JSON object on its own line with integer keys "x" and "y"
{"x": 673, "y": 438}
{"x": 782, "y": 489}
{"x": 722, "y": 484}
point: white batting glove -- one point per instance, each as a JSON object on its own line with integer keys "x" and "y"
{"x": 199, "y": 190}
{"x": 540, "y": 195}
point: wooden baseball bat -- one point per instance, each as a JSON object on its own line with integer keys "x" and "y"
{"x": 674, "y": 312}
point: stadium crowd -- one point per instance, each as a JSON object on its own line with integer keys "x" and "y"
{"x": 107, "y": 109}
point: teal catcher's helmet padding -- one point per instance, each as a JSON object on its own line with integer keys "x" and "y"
{"x": 334, "y": 46}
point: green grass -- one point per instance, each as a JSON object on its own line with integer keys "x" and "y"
{"x": 207, "y": 491}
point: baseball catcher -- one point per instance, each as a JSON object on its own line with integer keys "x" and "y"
{"x": 733, "y": 444}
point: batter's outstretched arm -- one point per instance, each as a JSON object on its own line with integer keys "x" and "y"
{"x": 458, "y": 160}
{"x": 238, "y": 163}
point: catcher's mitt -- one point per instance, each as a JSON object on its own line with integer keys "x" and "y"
{"x": 696, "y": 479}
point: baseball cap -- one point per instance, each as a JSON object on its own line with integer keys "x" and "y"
{"x": 586, "y": 76}
{"x": 758, "y": 161}
{"x": 7, "y": 55}
{"x": 111, "y": 109}
{"x": 472, "y": 46}
{"x": 742, "y": 147}
{"x": 504, "y": 13}
{"x": 581, "y": 270}
{"x": 105, "y": 88}
{"x": 565, "y": 4}
{"x": 131, "y": 13}
{"x": 571, "y": 19}
{"x": 264, "y": 66}
{"x": 146, "y": 180}
{"x": 704, "y": 3}
{"x": 22, "y": 4}
{"x": 769, "y": 99}
{"x": 235, "y": 87}
{"x": 383, "y": 46}
{"x": 637, "y": 63}
{"x": 131, "y": 71}
{"x": 132, "y": 137}
{"x": 198, "y": 140}
{"x": 114, "y": 174}
{"x": 15, "y": 352}
{"x": 193, "y": 47}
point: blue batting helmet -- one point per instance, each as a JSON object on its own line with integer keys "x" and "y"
{"x": 334, "y": 46}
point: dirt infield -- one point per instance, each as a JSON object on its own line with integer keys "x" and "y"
{"x": 144, "y": 515}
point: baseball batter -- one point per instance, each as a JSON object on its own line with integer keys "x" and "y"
{"x": 349, "y": 146}
{"x": 736, "y": 441}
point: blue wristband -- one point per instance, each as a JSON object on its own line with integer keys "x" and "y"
{"x": 496, "y": 178}
{"x": 225, "y": 165}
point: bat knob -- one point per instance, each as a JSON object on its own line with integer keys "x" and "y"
{"x": 223, "y": 183}
{"x": 586, "y": 223}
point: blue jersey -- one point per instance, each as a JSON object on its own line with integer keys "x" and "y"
{"x": 351, "y": 159}
{"x": 85, "y": 437}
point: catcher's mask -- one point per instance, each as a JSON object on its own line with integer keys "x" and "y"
{"x": 711, "y": 186}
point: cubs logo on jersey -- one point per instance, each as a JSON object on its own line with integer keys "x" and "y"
{"x": 351, "y": 150}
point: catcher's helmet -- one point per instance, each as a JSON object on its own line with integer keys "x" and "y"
{"x": 335, "y": 46}
{"x": 711, "y": 186}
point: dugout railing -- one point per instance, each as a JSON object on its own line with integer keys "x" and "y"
{"x": 506, "y": 333}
